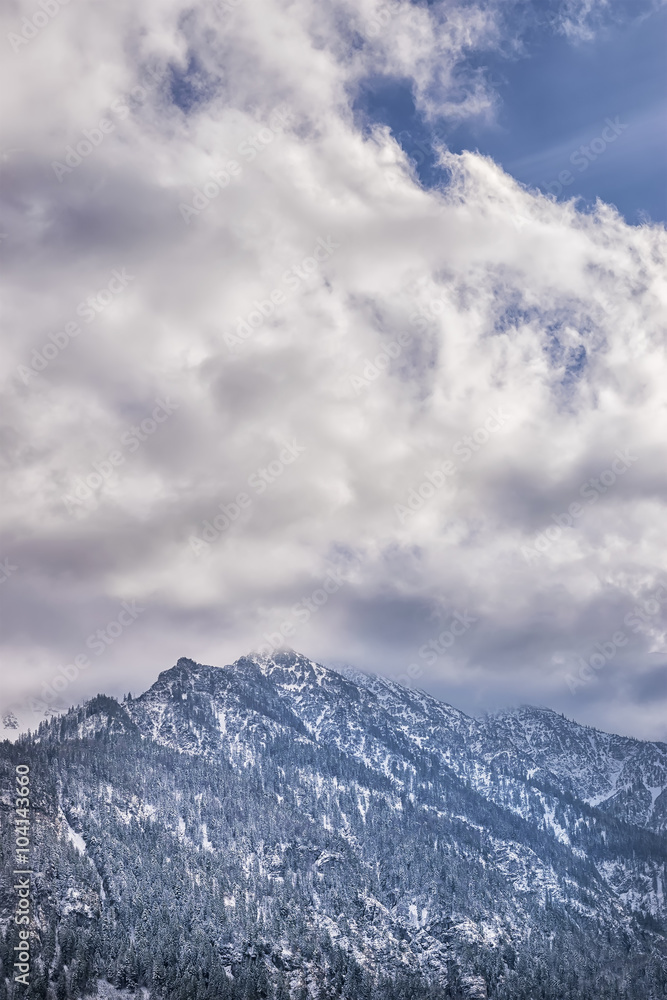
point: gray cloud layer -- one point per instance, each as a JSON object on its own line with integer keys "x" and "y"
{"x": 430, "y": 381}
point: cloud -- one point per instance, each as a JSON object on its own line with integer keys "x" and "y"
{"x": 512, "y": 304}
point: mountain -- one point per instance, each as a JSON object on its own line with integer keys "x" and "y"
{"x": 278, "y": 829}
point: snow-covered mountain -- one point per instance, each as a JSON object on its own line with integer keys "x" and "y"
{"x": 626, "y": 778}
{"x": 277, "y": 828}
{"x": 366, "y": 717}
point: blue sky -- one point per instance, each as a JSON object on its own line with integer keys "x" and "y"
{"x": 552, "y": 99}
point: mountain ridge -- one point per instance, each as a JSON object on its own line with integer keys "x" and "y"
{"x": 499, "y": 728}
{"x": 429, "y": 854}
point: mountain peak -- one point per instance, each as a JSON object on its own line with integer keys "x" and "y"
{"x": 287, "y": 666}
{"x": 377, "y": 722}
{"x": 284, "y": 656}
{"x": 186, "y": 663}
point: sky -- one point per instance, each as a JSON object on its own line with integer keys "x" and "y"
{"x": 339, "y": 327}
{"x": 552, "y": 95}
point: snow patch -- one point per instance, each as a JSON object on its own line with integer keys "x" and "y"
{"x": 75, "y": 838}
